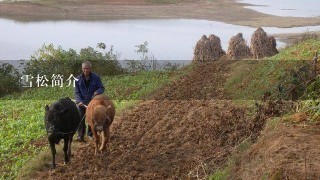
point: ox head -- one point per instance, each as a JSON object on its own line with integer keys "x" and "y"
{"x": 101, "y": 118}
{"x": 53, "y": 119}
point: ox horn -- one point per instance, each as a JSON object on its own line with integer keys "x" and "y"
{"x": 103, "y": 141}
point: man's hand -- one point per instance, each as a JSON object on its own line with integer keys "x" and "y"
{"x": 80, "y": 104}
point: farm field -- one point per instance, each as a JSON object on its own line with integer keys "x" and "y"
{"x": 197, "y": 127}
{"x": 212, "y": 119}
{"x": 169, "y": 124}
{"x": 22, "y": 114}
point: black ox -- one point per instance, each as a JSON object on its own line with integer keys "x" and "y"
{"x": 61, "y": 120}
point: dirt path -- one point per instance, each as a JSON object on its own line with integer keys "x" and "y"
{"x": 219, "y": 10}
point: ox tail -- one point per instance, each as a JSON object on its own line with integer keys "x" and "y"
{"x": 104, "y": 141}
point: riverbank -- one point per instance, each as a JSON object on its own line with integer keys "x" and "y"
{"x": 228, "y": 11}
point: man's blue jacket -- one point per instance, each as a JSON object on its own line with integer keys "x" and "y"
{"x": 83, "y": 93}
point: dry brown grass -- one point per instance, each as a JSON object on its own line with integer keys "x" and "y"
{"x": 262, "y": 45}
{"x": 238, "y": 48}
{"x": 208, "y": 49}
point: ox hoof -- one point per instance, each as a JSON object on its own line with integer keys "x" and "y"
{"x": 90, "y": 138}
{"x": 78, "y": 139}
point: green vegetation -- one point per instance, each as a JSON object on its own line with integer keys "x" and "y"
{"x": 22, "y": 114}
{"x": 9, "y": 80}
{"x": 121, "y": 87}
{"x": 50, "y": 60}
{"x": 257, "y": 78}
{"x": 224, "y": 173}
{"x": 219, "y": 175}
{"x": 21, "y": 123}
{"x": 302, "y": 51}
{"x": 291, "y": 67}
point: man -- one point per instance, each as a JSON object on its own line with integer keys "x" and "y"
{"x": 88, "y": 85}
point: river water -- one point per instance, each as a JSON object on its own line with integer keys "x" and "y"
{"x": 167, "y": 39}
{"x": 285, "y": 8}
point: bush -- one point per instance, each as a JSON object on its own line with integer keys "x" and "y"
{"x": 49, "y": 60}
{"x": 10, "y": 79}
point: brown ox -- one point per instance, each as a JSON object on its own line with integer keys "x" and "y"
{"x": 99, "y": 115}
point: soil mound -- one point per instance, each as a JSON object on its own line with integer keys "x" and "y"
{"x": 208, "y": 49}
{"x": 282, "y": 152}
{"x": 238, "y": 48}
{"x": 262, "y": 45}
{"x": 205, "y": 82}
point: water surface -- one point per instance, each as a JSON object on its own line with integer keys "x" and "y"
{"x": 167, "y": 39}
{"x": 286, "y": 8}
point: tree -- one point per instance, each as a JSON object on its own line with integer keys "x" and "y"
{"x": 49, "y": 60}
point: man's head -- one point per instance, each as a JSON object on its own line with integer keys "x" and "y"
{"x": 86, "y": 68}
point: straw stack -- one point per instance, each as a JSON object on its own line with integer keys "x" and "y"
{"x": 262, "y": 45}
{"x": 238, "y": 48}
{"x": 208, "y": 49}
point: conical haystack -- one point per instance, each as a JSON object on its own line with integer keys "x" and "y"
{"x": 208, "y": 49}
{"x": 262, "y": 45}
{"x": 238, "y": 48}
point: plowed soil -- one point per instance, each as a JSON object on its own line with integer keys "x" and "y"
{"x": 205, "y": 82}
{"x": 189, "y": 129}
{"x": 187, "y": 135}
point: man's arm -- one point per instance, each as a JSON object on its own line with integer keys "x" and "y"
{"x": 100, "y": 86}
{"x": 77, "y": 93}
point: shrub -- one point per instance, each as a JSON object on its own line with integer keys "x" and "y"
{"x": 49, "y": 60}
{"x": 10, "y": 79}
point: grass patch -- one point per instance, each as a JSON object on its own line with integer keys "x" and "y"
{"x": 39, "y": 161}
{"x": 21, "y": 123}
{"x": 274, "y": 123}
{"x": 233, "y": 161}
{"x": 220, "y": 175}
{"x": 301, "y": 51}
{"x": 136, "y": 86}
{"x": 252, "y": 78}
{"x": 42, "y": 161}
